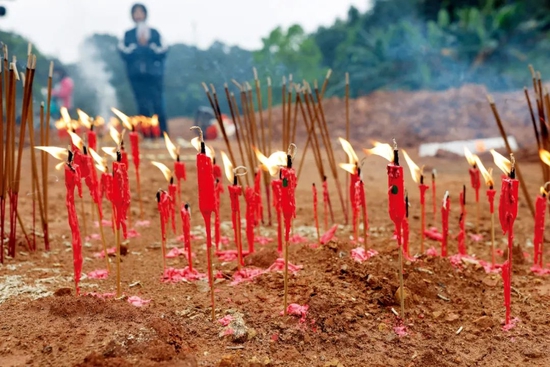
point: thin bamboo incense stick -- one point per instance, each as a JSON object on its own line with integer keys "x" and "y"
{"x": 325, "y": 83}
{"x": 283, "y": 105}
{"x": 46, "y": 156}
{"x": 288, "y": 112}
{"x": 233, "y": 102}
{"x": 328, "y": 144}
{"x": 260, "y": 108}
{"x": 237, "y": 127}
{"x": 509, "y": 149}
{"x": 311, "y": 139}
{"x": 246, "y": 137}
{"x": 295, "y": 120}
{"x": 347, "y": 138}
{"x": 269, "y": 116}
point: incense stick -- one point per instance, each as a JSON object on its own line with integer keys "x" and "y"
{"x": 325, "y": 83}
{"x": 46, "y": 156}
{"x": 269, "y": 117}
{"x": 239, "y": 127}
{"x": 347, "y": 137}
{"x": 509, "y": 149}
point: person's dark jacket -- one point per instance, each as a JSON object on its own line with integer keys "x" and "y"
{"x": 143, "y": 60}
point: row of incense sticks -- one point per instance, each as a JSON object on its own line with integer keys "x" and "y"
{"x": 12, "y": 142}
{"x": 298, "y": 102}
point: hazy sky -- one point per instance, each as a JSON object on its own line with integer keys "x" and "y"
{"x": 58, "y": 26}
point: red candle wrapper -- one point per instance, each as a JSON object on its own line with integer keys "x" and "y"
{"x": 288, "y": 198}
{"x": 539, "y": 229}
{"x": 475, "y": 180}
{"x": 164, "y": 205}
{"x": 172, "y": 192}
{"x": 491, "y": 198}
{"x": 277, "y": 187}
{"x": 120, "y": 196}
{"x": 250, "y": 197}
{"x": 445, "y": 210}
{"x": 258, "y": 200}
{"x": 206, "y": 187}
{"x": 72, "y": 180}
{"x": 179, "y": 171}
{"x": 217, "y": 233}
{"x": 186, "y": 223}
{"x": 92, "y": 140}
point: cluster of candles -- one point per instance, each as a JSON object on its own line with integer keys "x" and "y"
{"x": 79, "y": 160}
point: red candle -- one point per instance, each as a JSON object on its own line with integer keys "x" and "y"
{"x": 406, "y": 228}
{"x": 217, "y": 232}
{"x": 172, "y": 192}
{"x": 462, "y": 223}
{"x": 92, "y": 183}
{"x": 277, "y": 188}
{"x": 475, "y": 180}
{"x": 134, "y": 144}
{"x": 124, "y": 155}
{"x": 315, "y": 216}
{"x": 251, "y": 211}
{"x": 539, "y": 228}
{"x": 445, "y": 210}
{"x": 106, "y": 185}
{"x": 207, "y": 205}
{"x": 396, "y": 194}
{"x": 72, "y": 180}
{"x": 235, "y": 192}
{"x": 164, "y": 205}
{"x": 120, "y": 194}
{"x": 92, "y": 139}
{"x": 434, "y": 201}
{"x": 288, "y": 199}
{"x": 356, "y": 207}
{"x": 258, "y": 199}
{"x": 186, "y": 224}
{"x": 180, "y": 173}
{"x": 508, "y": 211}
{"x": 364, "y": 209}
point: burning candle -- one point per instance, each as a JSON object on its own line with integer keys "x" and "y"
{"x": 164, "y": 206}
{"x": 488, "y": 177}
{"x": 474, "y": 179}
{"x": 207, "y": 203}
{"x": 462, "y": 223}
{"x": 445, "y": 210}
{"x": 90, "y": 124}
{"x": 250, "y": 199}
{"x": 352, "y": 167}
{"x": 172, "y": 193}
{"x": 258, "y": 199}
{"x": 179, "y": 167}
{"x": 72, "y": 181}
{"x": 217, "y": 231}
{"x": 396, "y": 201}
{"x": 508, "y": 211}
{"x": 235, "y": 192}
{"x": 418, "y": 177}
{"x": 277, "y": 188}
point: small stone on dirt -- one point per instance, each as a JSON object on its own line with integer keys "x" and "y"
{"x": 484, "y": 322}
{"x": 63, "y": 292}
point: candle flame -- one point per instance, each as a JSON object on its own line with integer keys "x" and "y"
{"x": 56, "y": 152}
{"x": 272, "y": 163}
{"x": 84, "y": 118}
{"x": 228, "y": 167}
{"x": 381, "y": 149}
{"x": 77, "y": 141}
{"x": 124, "y": 118}
{"x": 349, "y": 167}
{"x": 65, "y": 115}
{"x": 471, "y": 158}
{"x": 544, "y": 156}
{"x": 352, "y": 157}
{"x": 154, "y": 120}
{"x": 115, "y": 135}
{"x": 543, "y": 191}
{"x": 487, "y": 173}
{"x": 110, "y": 151}
{"x": 416, "y": 172}
{"x": 165, "y": 170}
{"x": 197, "y": 144}
{"x": 172, "y": 149}
{"x": 502, "y": 162}
{"x": 445, "y": 199}
{"x": 101, "y": 162}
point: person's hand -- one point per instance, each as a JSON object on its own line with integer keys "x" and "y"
{"x": 143, "y": 41}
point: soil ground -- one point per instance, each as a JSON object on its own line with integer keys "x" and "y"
{"x": 349, "y": 322}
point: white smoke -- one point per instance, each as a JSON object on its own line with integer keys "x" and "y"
{"x": 94, "y": 73}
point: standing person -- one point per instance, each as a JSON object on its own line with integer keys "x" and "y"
{"x": 62, "y": 93}
{"x": 144, "y": 55}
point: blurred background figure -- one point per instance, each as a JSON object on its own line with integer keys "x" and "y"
{"x": 205, "y": 118}
{"x": 62, "y": 93}
{"x": 144, "y": 55}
